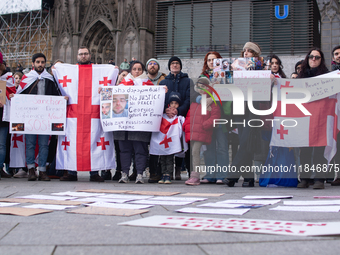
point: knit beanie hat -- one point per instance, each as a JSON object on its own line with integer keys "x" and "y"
{"x": 174, "y": 58}
{"x": 202, "y": 80}
{"x": 252, "y": 46}
{"x": 175, "y": 96}
{"x": 152, "y": 59}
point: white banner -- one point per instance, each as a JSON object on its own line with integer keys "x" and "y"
{"x": 36, "y": 114}
{"x": 131, "y": 108}
{"x": 275, "y": 227}
{"x": 259, "y": 81}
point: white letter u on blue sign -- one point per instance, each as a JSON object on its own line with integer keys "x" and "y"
{"x": 285, "y": 12}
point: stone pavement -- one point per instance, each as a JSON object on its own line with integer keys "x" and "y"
{"x": 61, "y": 233}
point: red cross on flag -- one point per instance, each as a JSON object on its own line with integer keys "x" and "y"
{"x": 17, "y": 151}
{"x": 141, "y": 80}
{"x": 168, "y": 140}
{"x": 295, "y": 129}
{"x": 83, "y": 128}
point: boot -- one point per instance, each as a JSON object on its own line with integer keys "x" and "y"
{"x": 3, "y": 174}
{"x": 178, "y": 173}
{"x": 43, "y": 176}
{"x": 31, "y": 174}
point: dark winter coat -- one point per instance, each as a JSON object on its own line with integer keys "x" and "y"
{"x": 180, "y": 84}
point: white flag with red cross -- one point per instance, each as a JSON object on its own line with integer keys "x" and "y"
{"x": 85, "y": 147}
{"x": 169, "y": 139}
{"x": 17, "y": 151}
{"x": 295, "y": 129}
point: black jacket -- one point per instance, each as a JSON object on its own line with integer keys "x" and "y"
{"x": 181, "y": 84}
{"x": 51, "y": 89}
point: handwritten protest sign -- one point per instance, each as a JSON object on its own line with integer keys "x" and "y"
{"x": 132, "y": 108}
{"x": 3, "y": 92}
{"x": 258, "y": 81}
{"x": 35, "y": 114}
{"x": 321, "y": 86}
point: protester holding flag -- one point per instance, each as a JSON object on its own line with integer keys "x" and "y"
{"x": 168, "y": 141}
{"x": 37, "y": 82}
{"x": 313, "y": 65}
{"x": 4, "y": 113}
{"x": 134, "y": 141}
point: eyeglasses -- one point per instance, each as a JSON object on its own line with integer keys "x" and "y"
{"x": 312, "y": 56}
{"x": 83, "y": 54}
{"x": 174, "y": 63}
{"x": 152, "y": 63}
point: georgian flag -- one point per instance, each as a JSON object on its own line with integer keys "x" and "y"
{"x": 17, "y": 151}
{"x": 85, "y": 147}
{"x": 169, "y": 139}
{"x": 10, "y": 89}
{"x": 318, "y": 129}
{"x": 141, "y": 80}
{"x": 29, "y": 78}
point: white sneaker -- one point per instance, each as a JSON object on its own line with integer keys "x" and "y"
{"x": 139, "y": 179}
{"x": 124, "y": 179}
{"x": 20, "y": 174}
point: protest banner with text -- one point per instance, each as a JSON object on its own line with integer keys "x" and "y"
{"x": 132, "y": 108}
{"x": 36, "y": 114}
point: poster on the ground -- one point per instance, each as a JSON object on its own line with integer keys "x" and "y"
{"x": 36, "y": 114}
{"x": 132, "y": 108}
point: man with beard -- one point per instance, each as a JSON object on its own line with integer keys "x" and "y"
{"x": 336, "y": 58}
{"x": 37, "y": 82}
{"x": 152, "y": 68}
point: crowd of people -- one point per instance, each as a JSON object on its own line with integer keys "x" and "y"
{"x": 183, "y": 107}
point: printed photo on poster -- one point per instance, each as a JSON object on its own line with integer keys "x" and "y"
{"x": 106, "y": 94}
{"x": 120, "y": 105}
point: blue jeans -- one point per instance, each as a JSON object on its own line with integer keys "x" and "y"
{"x": 3, "y": 139}
{"x": 43, "y": 151}
{"x": 217, "y": 154}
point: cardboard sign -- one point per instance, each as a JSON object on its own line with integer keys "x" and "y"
{"x": 107, "y": 211}
{"x": 131, "y": 108}
{"x": 274, "y": 227}
{"x": 35, "y": 114}
{"x": 3, "y": 92}
{"x": 258, "y": 81}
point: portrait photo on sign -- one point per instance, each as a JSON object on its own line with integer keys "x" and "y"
{"x": 120, "y": 105}
{"x": 18, "y": 127}
{"x": 106, "y": 110}
{"x": 57, "y": 126}
{"x": 217, "y": 64}
{"x": 106, "y": 94}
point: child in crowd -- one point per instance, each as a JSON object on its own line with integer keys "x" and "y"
{"x": 200, "y": 127}
{"x": 168, "y": 142}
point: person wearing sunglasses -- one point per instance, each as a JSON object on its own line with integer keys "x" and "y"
{"x": 313, "y": 65}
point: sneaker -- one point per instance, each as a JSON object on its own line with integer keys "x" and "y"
{"x": 336, "y": 182}
{"x": 229, "y": 182}
{"x": 124, "y": 179}
{"x": 43, "y": 176}
{"x": 21, "y": 174}
{"x": 117, "y": 176}
{"x": 69, "y": 178}
{"x": 161, "y": 181}
{"x": 154, "y": 178}
{"x": 167, "y": 179}
{"x": 206, "y": 181}
{"x": 31, "y": 174}
{"x": 194, "y": 179}
{"x": 303, "y": 184}
{"x": 96, "y": 178}
{"x": 219, "y": 182}
{"x": 139, "y": 179}
{"x": 319, "y": 185}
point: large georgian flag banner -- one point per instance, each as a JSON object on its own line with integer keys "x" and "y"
{"x": 85, "y": 147}
{"x": 295, "y": 129}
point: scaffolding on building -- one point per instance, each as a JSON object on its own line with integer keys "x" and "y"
{"x": 23, "y": 34}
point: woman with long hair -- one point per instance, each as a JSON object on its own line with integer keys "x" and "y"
{"x": 313, "y": 65}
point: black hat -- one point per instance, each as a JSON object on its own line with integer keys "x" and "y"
{"x": 174, "y": 58}
{"x": 175, "y": 96}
